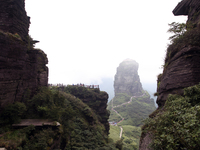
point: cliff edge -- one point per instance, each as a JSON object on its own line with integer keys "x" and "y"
{"x": 182, "y": 63}
{"x": 22, "y": 68}
{"x": 181, "y": 68}
{"x": 95, "y": 99}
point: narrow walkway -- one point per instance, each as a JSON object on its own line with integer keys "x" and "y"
{"x": 120, "y": 136}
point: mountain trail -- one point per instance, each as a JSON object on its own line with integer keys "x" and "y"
{"x": 120, "y": 136}
{"x": 122, "y": 119}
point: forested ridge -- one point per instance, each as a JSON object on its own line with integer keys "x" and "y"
{"x": 81, "y": 126}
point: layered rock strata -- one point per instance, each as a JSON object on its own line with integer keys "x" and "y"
{"x": 127, "y": 79}
{"x": 13, "y": 18}
{"x": 182, "y": 69}
{"x": 22, "y": 68}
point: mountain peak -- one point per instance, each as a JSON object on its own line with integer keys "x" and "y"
{"x": 127, "y": 79}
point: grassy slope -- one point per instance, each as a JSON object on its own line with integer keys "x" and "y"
{"x": 133, "y": 114}
{"x": 119, "y": 99}
{"x": 114, "y": 133}
{"x": 114, "y": 117}
{"x": 130, "y": 137}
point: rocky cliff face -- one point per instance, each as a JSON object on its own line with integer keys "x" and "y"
{"x": 22, "y": 68}
{"x": 191, "y": 9}
{"x": 182, "y": 61}
{"x": 181, "y": 72}
{"x": 127, "y": 79}
{"x": 13, "y": 18}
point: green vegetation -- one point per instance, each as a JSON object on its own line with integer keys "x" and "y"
{"x": 121, "y": 98}
{"x": 178, "y": 29}
{"x": 10, "y": 35}
{"x": 114, "y": 133}
{"x": 80, "y": 127}
{"x": 177, "y": 125}
{"x": 12, "y": 113}
{"x": 136, "y": 111}
{"x": 133, "y": 114}
{"x": 114, "y": 117}
{"x": 130, "y": 137}
{"x": 191, "y": 37}
{"x": 29, "y": 138}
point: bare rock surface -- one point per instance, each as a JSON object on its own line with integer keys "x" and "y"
{"x": 127, "y": 79}
{"x": 144, "y": 142}
{"x": 182, "y": 71}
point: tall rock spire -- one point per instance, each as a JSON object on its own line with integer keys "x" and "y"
{"x": 127, "y": 79}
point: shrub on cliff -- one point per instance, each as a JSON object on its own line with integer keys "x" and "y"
{"x": 178, "y": 126}
{"x": 12, "y": 113}
{"x": 178, "y": 29}
{"x": 81, "y": 92}
{"x": 188, "y": 38}
{"x": 46, "y": 105}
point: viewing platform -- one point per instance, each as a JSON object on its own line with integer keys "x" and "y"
{"x": 78, "y": 85}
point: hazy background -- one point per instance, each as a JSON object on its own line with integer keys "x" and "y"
{"x": 86, "y": 40}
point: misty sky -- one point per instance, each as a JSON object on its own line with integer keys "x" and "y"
{"x": 86, "y": 40}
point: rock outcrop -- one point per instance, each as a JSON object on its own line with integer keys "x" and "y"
{"x": 95, "y": 99}
{"x": 13, "y": 18}
{"x": 182, "y": 61}
{"x": 127, "y": 79}
{"x": 190, "y": 8}
{"x": 182, "y": 71}
{"x": 22, "y": 68}
{"x": 182, "y": 64}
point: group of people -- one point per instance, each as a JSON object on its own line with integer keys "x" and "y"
{"x": 80, "y": 85}
{"x": 87, "y": 86}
